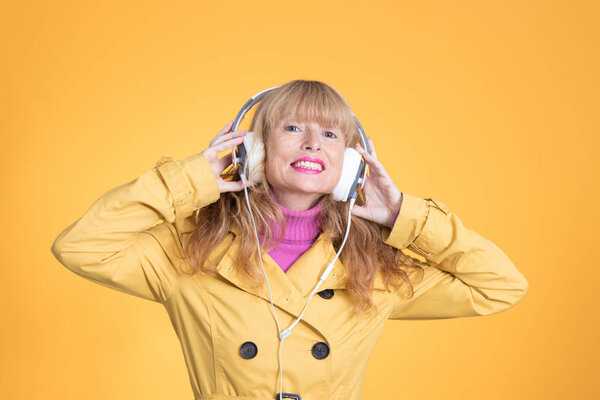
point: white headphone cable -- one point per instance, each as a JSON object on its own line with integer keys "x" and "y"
{"x": 242, "y": 175}
{"x": 288, "y": 331}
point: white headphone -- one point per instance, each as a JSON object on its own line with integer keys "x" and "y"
{"x": 251, "y": 152}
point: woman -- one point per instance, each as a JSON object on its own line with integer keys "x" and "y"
{"x": 181, "y": 234}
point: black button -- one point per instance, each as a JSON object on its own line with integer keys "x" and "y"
{"x": 288, "y": 396}
{"x": 248, "y": 350}
{"x": 326, "y": 294}
{"x": 320, "y": 350}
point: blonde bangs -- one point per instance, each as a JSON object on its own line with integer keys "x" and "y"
{"x": 310, "y": 101}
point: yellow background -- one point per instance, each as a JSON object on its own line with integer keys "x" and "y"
{"x": 490, "y": 107}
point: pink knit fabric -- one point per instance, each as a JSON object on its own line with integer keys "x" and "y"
{"x": 302, "y": 229}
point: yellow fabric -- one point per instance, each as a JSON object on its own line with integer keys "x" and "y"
{"x": 130, "y": 240}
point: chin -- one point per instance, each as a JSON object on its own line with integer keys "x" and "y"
{"x": 310, "y": 188}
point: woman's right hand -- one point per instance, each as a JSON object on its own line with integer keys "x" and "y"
{"x": 223, "y": 141}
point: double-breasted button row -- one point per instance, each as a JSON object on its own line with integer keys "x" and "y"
{"x": 326, "y": 294}
{"x": 249, "y": 350}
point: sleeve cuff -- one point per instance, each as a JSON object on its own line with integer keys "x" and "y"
{"x": 191, "y": 182}
{"x": 408, "y": 224}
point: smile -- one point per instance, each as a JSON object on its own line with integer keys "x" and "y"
{"x": 307, "y": 167}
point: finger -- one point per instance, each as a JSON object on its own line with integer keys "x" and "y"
{"x": 223, "y": 131}
{"x": 227, "y": 136}
{"x": 226, "y": 128}
{"x": 227, "y": 144}
{"x": 235, "y": 186}
{"x": 369, "y": 158}
{"x": 373, "y": 152}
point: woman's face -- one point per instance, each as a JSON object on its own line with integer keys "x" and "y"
{"x": 298, "y": 185}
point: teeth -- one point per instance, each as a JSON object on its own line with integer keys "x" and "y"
{"x": 308, "y": 165}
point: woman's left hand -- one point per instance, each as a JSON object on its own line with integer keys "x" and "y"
{"x": 382, "y": 197}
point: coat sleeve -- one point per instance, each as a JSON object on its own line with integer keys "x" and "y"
{"x": 466, "y": 274}
{"x": 112, "y": 243}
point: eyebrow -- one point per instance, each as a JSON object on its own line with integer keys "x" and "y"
{"x": 289, "y": 121}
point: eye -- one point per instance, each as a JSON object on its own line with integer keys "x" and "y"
{"x": 334, "y": 135}
{"x": 290, "y": 126}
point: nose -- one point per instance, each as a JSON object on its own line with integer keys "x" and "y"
{"x": 312, "y": 140}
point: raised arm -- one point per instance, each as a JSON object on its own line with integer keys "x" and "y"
{"x": 467, "y": 274}
{"x": 112, "y": 243}
{"x": 129, "y": 238}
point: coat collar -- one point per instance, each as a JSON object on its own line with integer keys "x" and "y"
{"x": 290, "y": 290}
{"x": 300, "y": 278}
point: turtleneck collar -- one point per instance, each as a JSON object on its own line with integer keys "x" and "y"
{"x": 301, "y": 226}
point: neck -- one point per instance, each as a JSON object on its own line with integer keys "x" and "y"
{"x": 302, "y": 228}
{"x": 296, "y": 201}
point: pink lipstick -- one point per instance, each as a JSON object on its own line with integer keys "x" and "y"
{"x": 306, "y": 170}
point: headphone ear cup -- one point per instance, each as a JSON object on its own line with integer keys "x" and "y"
{"x": 351, "y": 169}
{"x": 251, "y": 157}
{"x": 242, "y": 155}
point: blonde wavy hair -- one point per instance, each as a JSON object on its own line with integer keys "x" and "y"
{"x": 364, "y": 252}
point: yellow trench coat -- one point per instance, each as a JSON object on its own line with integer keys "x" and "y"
{"x": 130, "y": 240}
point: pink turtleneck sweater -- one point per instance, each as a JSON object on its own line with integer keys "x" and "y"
{"x": 302, "y": 229}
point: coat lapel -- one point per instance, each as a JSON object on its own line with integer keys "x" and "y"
{"x": 289, "y": 290}
{"x": 306, "y": 270}
{"x": 300, "y": 278}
